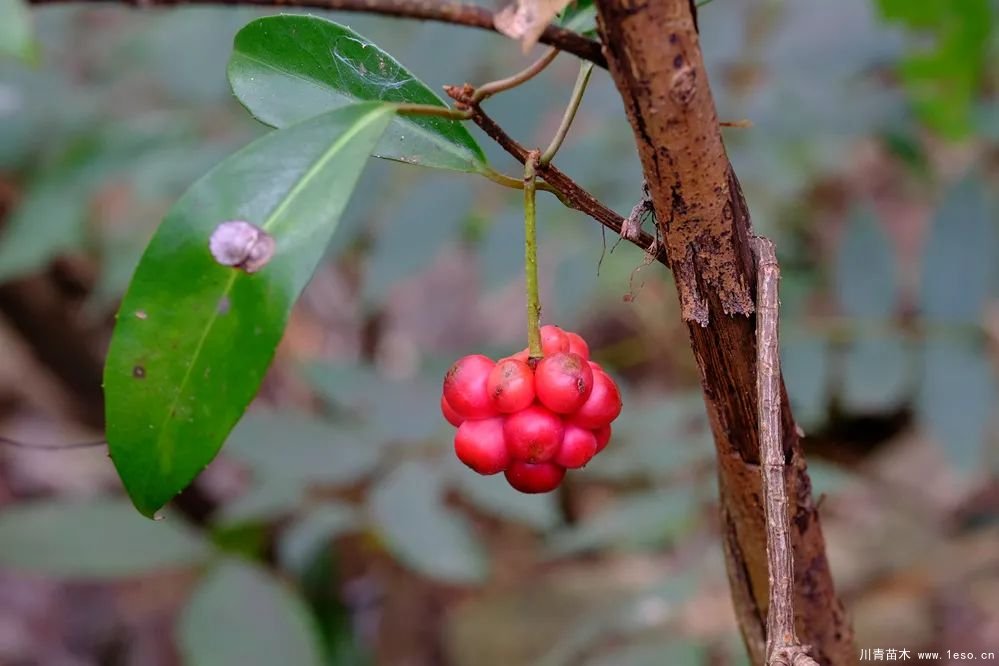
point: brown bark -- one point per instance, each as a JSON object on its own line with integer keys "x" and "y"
{"x": 653, "y": 54}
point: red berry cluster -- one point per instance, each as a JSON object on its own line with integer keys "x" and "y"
{"x": 531, "y": 423}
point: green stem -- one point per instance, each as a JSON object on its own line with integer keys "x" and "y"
{"x": 585, "y": 70}
{"x": 518, "y": 183}
{"x": 531, "y": 258}
{"x": 493, "y": 87}
{"x": 432, "y": 110}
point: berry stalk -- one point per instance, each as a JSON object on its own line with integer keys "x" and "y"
{"x": 531, "y": 257}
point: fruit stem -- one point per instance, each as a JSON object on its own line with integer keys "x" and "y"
{"x": 570, "y": 113}
{"x": 531, "y": 257}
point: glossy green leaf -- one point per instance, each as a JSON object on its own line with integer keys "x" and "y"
{"x": 865, "y": 281}
{"x": 407, "y": 508}
{"x": 242, "y": 616}
{"x": 96, "y": 539}
{"x": 876, "y": 374}
{"x": 960, "y": 255}
{"x": 287, "y": 68}
{"x": 579, "y": 16}
{"x": 194, "y": 338}
{"x": 16, "y": 32}
{"x": 958, "y": 399}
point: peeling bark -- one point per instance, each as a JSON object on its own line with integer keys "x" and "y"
{"x": 653, "y": 53}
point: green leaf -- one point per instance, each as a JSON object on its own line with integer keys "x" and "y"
{"x": 639, "y": 520}
{"x": 408, "y": 509}
{"x": 306, "y": 536}
{"x": 16, "y": 32}
{"x": 579, "y": 16}
{"x": 960, "y": 255}
{"x": 287, "y": 68}
{"x": 865, "y": 269}
{"x": 97, "y": 539}
{"x": 194, "y": 338}
{"x": 805, "y": 363}
{"x": 301, "y": 448}
{"x": 957, "y": 400}
{"x": 241, "y": 616}
{"x": 876, "y": 374}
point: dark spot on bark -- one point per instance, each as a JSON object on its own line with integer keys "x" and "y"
{"x": 678, "y": 61}
{"x": 673, "y": 38}
{"x": 139, "y": 372}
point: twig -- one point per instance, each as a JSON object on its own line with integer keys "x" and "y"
{"x": 531, "y": 258}
{"x": 585, "y": 70}
{"x": 782, "y": 648}
{"x": 572, "y": 194}
{"x": 458, "y": 13}
{"x": 487, "y": 90}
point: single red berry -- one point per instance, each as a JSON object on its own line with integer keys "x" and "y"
{"x": 563, "y": 382}
{"x": 596, "y": 367}
{"x": 603, "y": 405}
{"x": 602, "y": 436}
{"x": 465, "y": 387}
{"x": 453, "y": 417}
{"x": 577, "y": 345}
{"x": 533, "y": 434}
{"x": 579, "y": 445}
{"x": 528, "y": 478}
{"x": 480, "y": 445}
{"x": 522, "y": 355}
{"x": 553, "y": 340}
{"x": 511, "y": 385}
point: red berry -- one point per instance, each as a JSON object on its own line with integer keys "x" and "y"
{"x": 522, "y": 355}
{"x": 563, "y": 382}
{"x": 553, "y": 340}
{"x": 596, "y": 367}
{"x": 533, "y": 434}
{"x": 578, "y": 446}
{"x": 480, "y": 445}
{"x": 528, "y": 478}
{"x": 603, "y": 405}
{"x": 577, "y": 345}
{"x": 511, "y": 385}
{"x": 602, "y": 436}
{"x": 453, "y": 417}
{"x": 465, "y": 387}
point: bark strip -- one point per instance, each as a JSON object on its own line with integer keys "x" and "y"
{"x": 653, "y": 54}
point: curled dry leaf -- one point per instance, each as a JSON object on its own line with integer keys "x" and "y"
{"x": 527, "y": 19}
{"x": 242, "y": 245}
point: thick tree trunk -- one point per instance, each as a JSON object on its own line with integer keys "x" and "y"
{"x": 654, "y": 56}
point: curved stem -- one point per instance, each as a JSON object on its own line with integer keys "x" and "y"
{"x": 432, "y": 110}
{"x": 531, "y": 258}
{"x": 489, "y": 89}
{"x": 585, "y": 70}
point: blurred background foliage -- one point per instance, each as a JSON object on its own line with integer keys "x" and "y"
{"x": 336, "y": 527}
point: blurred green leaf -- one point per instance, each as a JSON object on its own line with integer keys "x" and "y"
{"x": 310, "y": 532}
{"x": 635, "y": 521}
{"x": 407, "y": 508}
{"x": 865, "y": 281}
{"x": 945, "y": 77}
{"x": 651, "y": 653}
{"x": 302, "y": 448}
{"x": 287, "y": 68}
{"x": 16, "y": 32}
{"x": 268, "y": 498}
{"x": 876, "y": 374}
{"x": 241, "y": 616}
{"x": 494, "y": 495}
{"x": 194, "y": 338}
{"x": 579, "y": 16}
{"x": 102, "y": 538}
{"x": 414, "y": 231}
{"x": 960, "y": 255}
{"x": 404, "y": 410}
{"x": 805, "y": 363}
{"x": 958, "y": 399}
